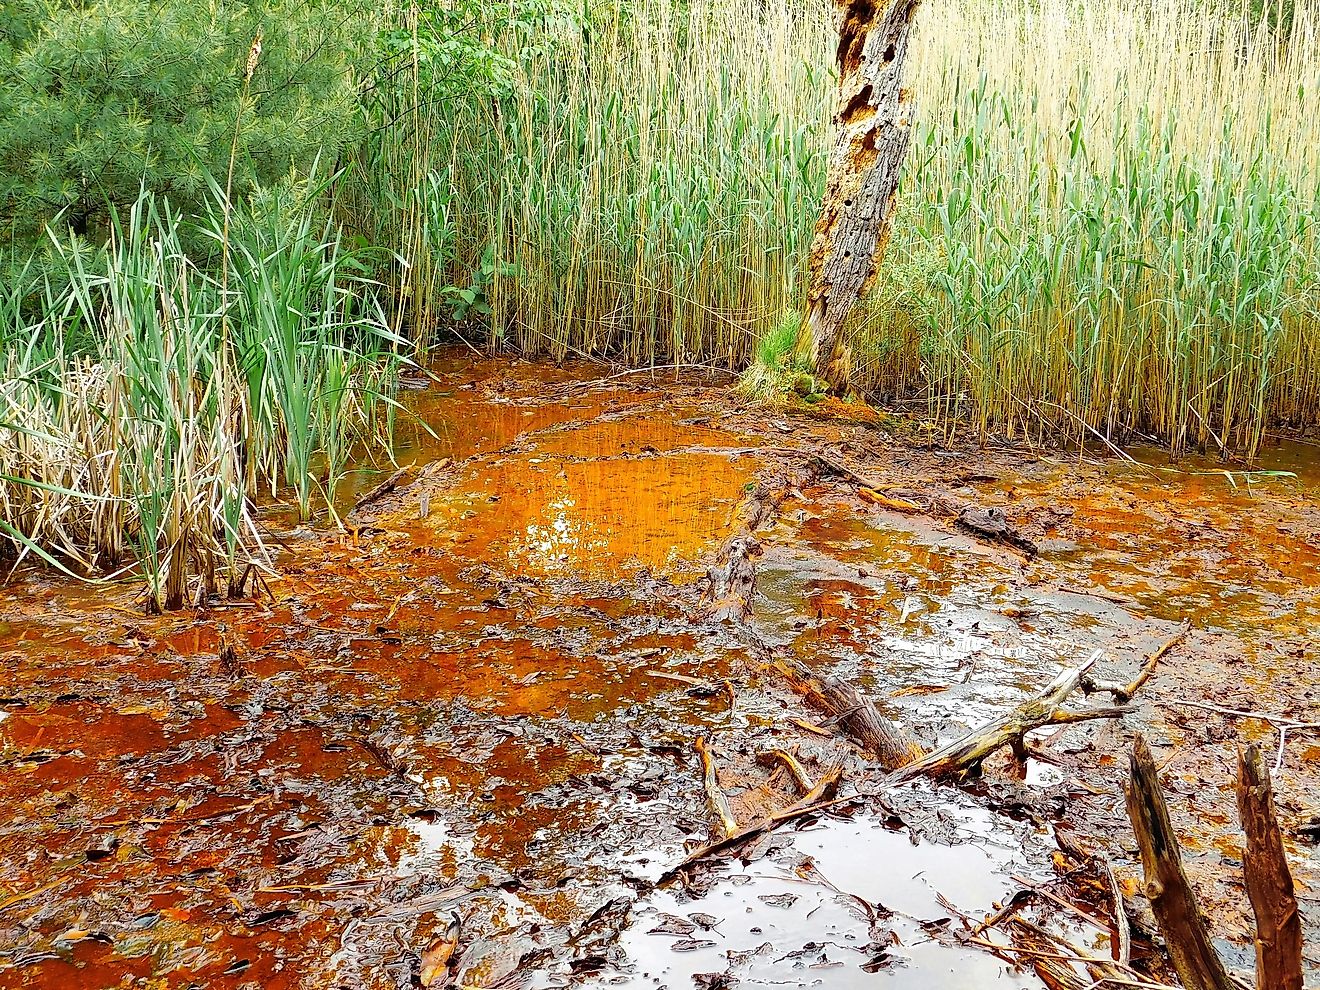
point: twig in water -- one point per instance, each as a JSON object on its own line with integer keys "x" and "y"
{"x": 1280, "y": 722}
{"x": 1121, "y": 922}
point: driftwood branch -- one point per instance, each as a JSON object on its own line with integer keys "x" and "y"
{"x": 1269, "y": 881}
{"x": 730, "y": 591}
{"x": 719, "y": 802}
{"x": 819, "y": 798}
{"x": 381, "y": 490}
{"x": 1125, "y": 692}
{"x": 1171, "y": 896}
{"x": 963, "y": 757}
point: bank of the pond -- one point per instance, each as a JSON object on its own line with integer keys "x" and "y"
{"x": 481, "y": 701}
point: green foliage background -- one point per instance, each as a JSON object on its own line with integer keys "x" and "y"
{"x": 101, "y": 99}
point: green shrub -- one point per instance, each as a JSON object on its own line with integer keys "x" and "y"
{"x": 102, "y": 99}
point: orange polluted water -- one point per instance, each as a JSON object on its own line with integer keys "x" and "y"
{"x": 481, "y": 701}
{"x": 413, "y": 725}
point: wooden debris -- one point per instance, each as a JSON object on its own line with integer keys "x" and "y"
{"x": 731, "y": 581}
{"x": 1171, "y": 896}
{"x": 719, "y": 801}
{"x": 438, "y": 955}
{"x": 830, "y": 465}
{"x": 381, "y": 490}
{"x": 795, "y": 769}
{"x": 819, "y": 798}
{"x": 1125, "y": 692}
{"x": 1269, "y": 881}
{"x": 1307, "y": 825}
{"x": 1122, "y": 926}
{"x": 886, "y": 502}
{"x": 812, "y": 727}
{"x": 992, "y": 525}
{"x": 964, "y": 756}
{"x": 854, "y": 713}
{"x": 228, "y": 658}
{"x": 1014, "y": 904}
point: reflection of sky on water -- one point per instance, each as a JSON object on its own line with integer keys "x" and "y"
{"x": 564, "y": 539}
{"x": 606, "y": 519}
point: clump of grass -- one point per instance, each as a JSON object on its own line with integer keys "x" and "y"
{"x": 135, "y": 430}
{"x": 779, "y": 366}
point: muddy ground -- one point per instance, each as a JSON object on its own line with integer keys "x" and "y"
{"x": 475, "y": 712}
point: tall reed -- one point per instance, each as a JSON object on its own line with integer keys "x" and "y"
{"x": 134, "y": 435}
{"x": 1107, "y": 223}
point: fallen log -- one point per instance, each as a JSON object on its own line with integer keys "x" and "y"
{"x": 731, "y": 582}
{"x": 853, "y": 714}
{"x": 1171, "y": 896}
{"x": 1269, "y": 881}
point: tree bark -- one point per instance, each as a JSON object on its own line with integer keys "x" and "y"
{"x": 714, "y": 794}
{"x": 1171, "y": 896}
{"x": 853, "y": 713}
{"x": 873, "y": 133}
{"x": 963, "y": 757}
{"x": 1269, "y": 882}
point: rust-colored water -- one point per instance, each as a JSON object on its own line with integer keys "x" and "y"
{"x": 480, "y": 700}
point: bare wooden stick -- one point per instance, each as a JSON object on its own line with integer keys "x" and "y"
{"x": 719, "y": 802}
{"x": 795, "y": 769}
{"x": 1269, "y": 881}
{"x": 1014, "y": 904}
{"x": 964, "y": 756}
{"x": 381, "y": 490}
{"x": 1149, "y": 667}
{"x": 1068, "y": 906}
{"x": 1125, "y": 692}
{"x": 1171, "y": 896}
{"x": 819, "y": 798}
{"x": 1123, "y": 944}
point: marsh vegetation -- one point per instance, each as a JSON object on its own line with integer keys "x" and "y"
{"x": 1106, "y": 229}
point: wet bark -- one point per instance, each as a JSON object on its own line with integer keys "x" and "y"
{"x": 1171, "y": 896}
{"x": 1269, "y": 881}
{"x": 873, "y": 133}
{"x": 854, "y": 714}
{"x": 719, "y": 802}
{"x": 964, "y": 756}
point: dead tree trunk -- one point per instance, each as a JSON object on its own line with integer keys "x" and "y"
{"x": 872, "y": 124}
{"x": 1171, "y": 896}
{"x": 1269, "y": 882}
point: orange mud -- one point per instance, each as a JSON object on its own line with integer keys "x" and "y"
{"x": 481, "y": 702}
